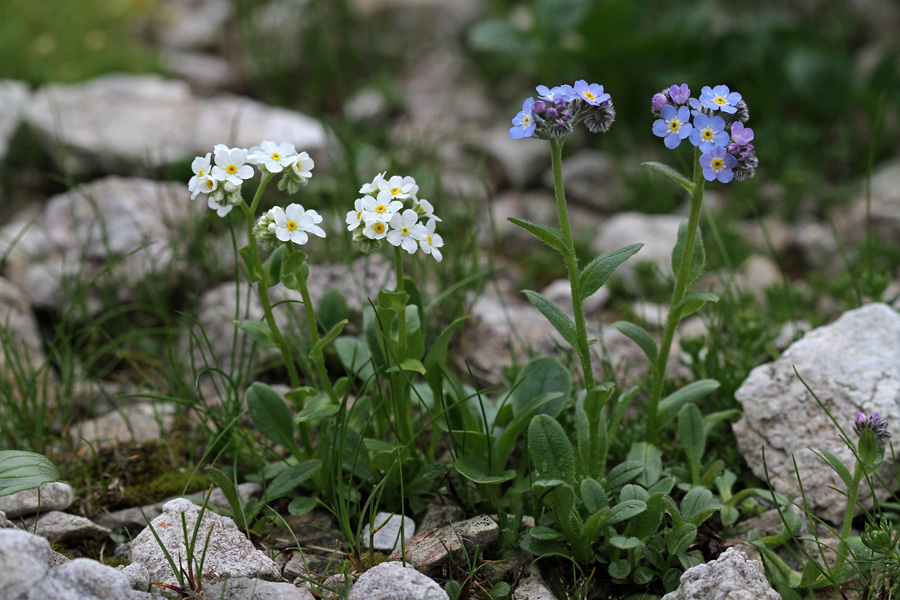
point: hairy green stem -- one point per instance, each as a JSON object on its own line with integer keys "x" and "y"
{"x": 263, "y": 284}
{"x": 852, "y": 493}
{"x": 399, "y": 385}
{"x": 571, "y": 261}
{"x": 682, "y": 280}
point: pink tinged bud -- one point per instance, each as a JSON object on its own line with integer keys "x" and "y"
{"x": 552, "y": 113}
{"x": 559, "y": 103}
{"x": 539, "y": 107}
{"x": 734, "y": 148}
{"x": 860, "y": 418}
{"x": 658, "y": 101}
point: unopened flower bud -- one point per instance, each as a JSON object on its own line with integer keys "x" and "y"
{"x": 657, "y": 102}
{"x": 539, "y": 107}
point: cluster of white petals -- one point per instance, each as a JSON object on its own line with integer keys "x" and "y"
{"x": 221, "y": 173}
{"x": 390, "y": 210}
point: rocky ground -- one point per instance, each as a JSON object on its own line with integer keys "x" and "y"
{"x": 124, "y": 226}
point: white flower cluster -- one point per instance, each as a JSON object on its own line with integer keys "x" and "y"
{"x": 390, "y": 210}
{"x": 291, "y": 224}
{"x": 222, "y": 183}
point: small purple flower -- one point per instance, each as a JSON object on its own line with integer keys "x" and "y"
{"x": 592, "y": 94}
{"x": 740, "y": 134}
{"x": 673, "y": 126}
{"x": 657, "y": 102}
{"x": 718, "y": 164}
{"x": 560, "y": 92}
{"x": 720, "y": 98}
{"x": 680, "y": 94}
{"x": 524, "y": 124}
{"x": 878, "y": 426}
{"x": 708, "y": 132}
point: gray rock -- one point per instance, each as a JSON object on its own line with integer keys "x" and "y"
{"x": 6, "y": 523}
{"x": 138, "y": 223}
{"x": 451, "y": 543}
{"x": 521, "y": 161}
{"x": 13, "y": 97}
{"x": 532, "y": 589}
{"x": 755, "y": 276}
{"x": 732, "y": 576}
{"x": 194, "y": 24}
{"x": 791, "y": 332}
{"x": 591, "y": 179}
{"x": 885, "y": 205}
{"x": 658, "y": 233}
{"x": 138, "y": 576}
{"x": 852, "y": 365}
{"x": 129, "y": 519}
{"x": 335, "y": 587}
{"x": 389, "y": 527}
{"x": 205, "y": 72}
{"x": 133, "y": 123}
{"x": 244, "y": 588}
{"x": 58, "y": 526}
{"x": 20, "y": 339}
{"x": 229, "y": 552}
{"x": 26, "y": 576}
{"x": 140, "y": 422}
{"x": 394, "y": 581}
{"x": 51, "y": 496}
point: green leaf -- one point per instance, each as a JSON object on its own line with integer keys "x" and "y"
{"x": 651, "y": 457}
{"x": 301, "y": 506}
{"x": 436, "y": 358}
{"x": 259, "y": 332}
{"x": 593, "y": 495}
{"x": 316, "y": 411}
{"x": 476, "y": 470}
{"x": 272, "y": 266}
{"x": 319, "y": 347}
{"x": 622, "y": 474}
{"x": 698, "y": 258}
{"x": 253, "y": 273}
{"x": 294, "y": 270}
{"x": 230, "y": 491}
{"x": 332, "y": 309}
{"x": 556, "y": 494}
{"x": 355, "y": 357}
{"x": 21, "y": 470}
{"x": 541, "y": 376}
{"x": 270, "y": 416}
{"x": 681, "y": 538}
{"x": 408, "y": 364}
{"x": 641, "y": 337}
{"x": 692, "y": 437}
{"x": 647, "y": 523}
{"x": 672, "y": 174}
{"x": 619, "y": 569}
{"x": 559, "y": 319}
{"x": 291, "y": 477}
{"x": 506, "y": 443}
{"x": 625, "y": 543}
{"x": 626, "y": 510}
{"x": 671, "y": 404}
{"x": 551, "y": 451}
{"x": 837, "y": 466}
{"x": 549, "y": 235}
{"x": 599, "y": 270}
{"x": 632, "y": 491}
{"x": 697, "y": 505}
{"x": 692, "y": 303}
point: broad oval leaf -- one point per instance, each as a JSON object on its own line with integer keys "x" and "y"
{"x": 291, "y": 477}
{"x": 622, "y": 474}
{"x": 21, "y": 470}
{"x": 559, "y": 319}
{"x": 545, "y": 375}
{"x": 599, "y": 270}
{"x": 259, "y": 332}
{"x": 270, "y": 415}
{"x": 551, "y": 451}
{"x": 691, "y": 434}
{"x": 626, "y": 510}
{"x": 476, "y": 470}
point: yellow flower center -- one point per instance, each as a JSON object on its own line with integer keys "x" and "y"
{"x": 404, "y": 230}
{"x": 291, "y": 225}
{"x": 231, "y": 169}
{"x": 378, "y": 227}
{"x": 380, "y": 208}
{"x": 720, "y": 100}
{"x": 201, "y": 173}
{"x": 210, "y": 183}
{"x": 526, "y": 120}
{"x": 589, "y": 95}
{"x": 717, "y": 163}
{"x": 275, "y": 156}
{"x": 674, "y": 125}
{"x": 396, "y": 191}
{"x": 359, "y": 215}
{"x": 428, "y": 237}
{"x": 707, "y": 134}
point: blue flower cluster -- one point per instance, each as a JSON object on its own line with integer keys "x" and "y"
{"x": 556, "y": 111}
{"x": 717, "y": 130}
